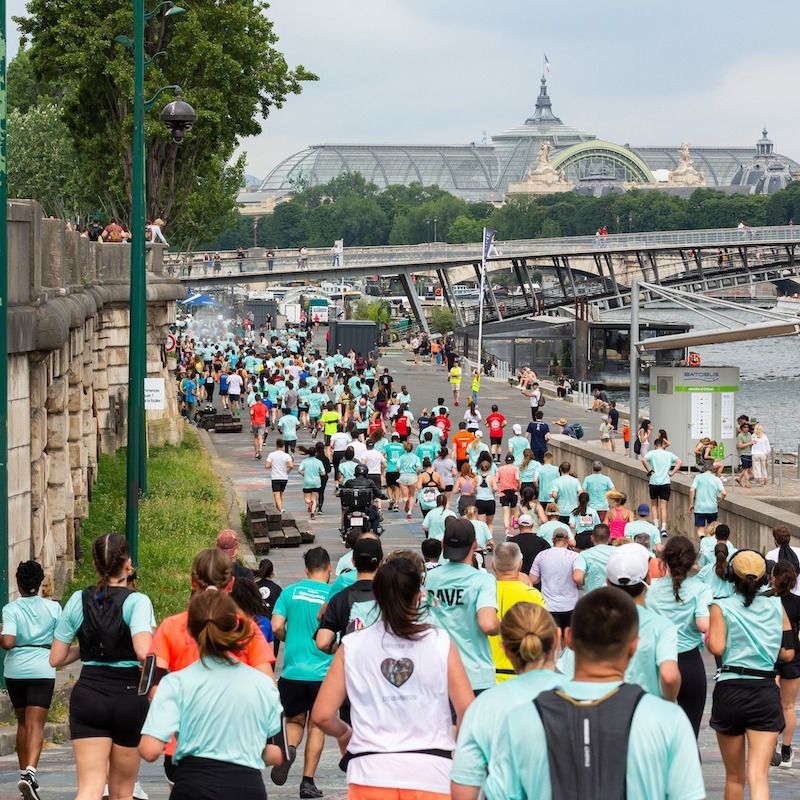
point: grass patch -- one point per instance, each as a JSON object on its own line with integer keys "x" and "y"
{"x": 182, "y": 514}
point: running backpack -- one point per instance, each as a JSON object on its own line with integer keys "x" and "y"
{"x": 104, "y": 635}
{"x": 541, "y": 399}
{"x": 587, "y": 742}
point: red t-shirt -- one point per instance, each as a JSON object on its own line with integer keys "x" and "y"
{"x": 258, "y": 413}
{"x": 443, "y": 424}
{"x": 401, "y": 425}
{"x": 495, "y": 422}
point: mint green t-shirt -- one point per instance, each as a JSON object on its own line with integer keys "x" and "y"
{"x": 695, "y": 598}
{"x": 643, "y": 526}
{"x": 594, "y": 562}
{"x": 137, "y": 613}
{"x": 298, "y": 604}
{"x": 719, "y": 587}
{"x": 347, "y": 469}
{"x": 528, "y": 474}
{"x": 409, "y": 464}
{"x": 707, "y": 547}
{"x": 546, "y": 475}
{"x": 222, "y": 710}
{"x": 517, "y": 446}
{"x": 287, "y": 425}
{"x": 344, "y": 580}
{"x": 312, "y": 470}
{"x": 426, "y": 450}
{"x": 661, "y": 462}
{"x": 753, "y": 633}
{"x": 483, "y": 723}
{"x": 32, "y": 620}
{"x": 707, "y": 488}
{"x": 547, "y": 529}
{"x": 663, "y": 763}
{"x": 597, "y": 485}
{"x": 567, "y": 489}
{"x": 435, "y": 521}
{"x": 455, "y": 594}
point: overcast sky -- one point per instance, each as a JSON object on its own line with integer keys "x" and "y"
{"x": 446, "y": 71}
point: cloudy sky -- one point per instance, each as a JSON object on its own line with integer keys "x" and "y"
{"x": 446, "y": 71}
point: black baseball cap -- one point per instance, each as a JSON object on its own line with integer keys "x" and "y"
{"x": 367, "y": 554}
{"x": 459, "y": 536}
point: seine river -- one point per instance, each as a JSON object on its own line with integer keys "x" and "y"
{"x": 769, "y": 369}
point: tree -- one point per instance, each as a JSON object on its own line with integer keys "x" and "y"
{"x": 377, "y": 311}
{"x": 42, "y": 163}
{"x": 443, "y": 320}
{"x": 222, "y": 54}
{"x": 465, "y": 230}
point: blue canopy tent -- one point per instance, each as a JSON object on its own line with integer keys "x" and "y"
{"x": 200, "y": 300}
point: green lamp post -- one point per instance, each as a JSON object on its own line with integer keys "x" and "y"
{"x": 136, "y": 461}
{"x": 3, "y": 319}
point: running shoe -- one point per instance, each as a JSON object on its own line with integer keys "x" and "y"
{"x": 28, "y": 787}
{"x": 776, "y": 759}
{"x": 313, "y": 515}
{"x": 139, "y": 793}
{"x": 309, "y": 789}
{"x": 408, "y": 516}
{"x": 787, "y": 756}
{"x": 280, "y": 772}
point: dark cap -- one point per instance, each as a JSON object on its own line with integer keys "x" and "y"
{"x": 459, "y": 536}
{"x": 367, "y": 554}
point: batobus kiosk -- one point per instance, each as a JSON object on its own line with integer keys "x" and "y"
{"x": 693, "y": 402}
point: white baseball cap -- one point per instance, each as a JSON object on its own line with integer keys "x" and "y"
{"x": 478, "y": 434}
{"x": 525, "y": 520}
{"x": 628, "y": 565}
{"x": 517, "y": 429}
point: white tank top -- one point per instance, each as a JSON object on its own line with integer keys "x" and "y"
{"x": 398, "y": 693}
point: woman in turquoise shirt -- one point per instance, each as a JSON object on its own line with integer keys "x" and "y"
{"x": 435, "y": 519}
{"x": 751, "y": 631}
{"x": 28, "y": 627}
{"x": 222, "y": 711}
{"x": 531, "y": 640}
{"x": 684, "y": 601}
{"x": 106, "y": 714}
{"x": 409, "y": 467}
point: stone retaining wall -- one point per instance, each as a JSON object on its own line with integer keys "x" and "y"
{"x": 68, "y": 331}
{"x": 751, "y": 521}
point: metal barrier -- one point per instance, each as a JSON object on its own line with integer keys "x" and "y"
{"x": 502, "y": 370}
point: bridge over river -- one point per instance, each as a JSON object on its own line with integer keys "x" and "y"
{"x": 598, "y": 268}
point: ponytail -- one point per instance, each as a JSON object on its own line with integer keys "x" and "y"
{"x": 529, "y": 634}
{"x": 109, "y": 554}
{"x": 679, "y": 556}
{"x": 721, "y": 556}
{"x": 215, "y": 624}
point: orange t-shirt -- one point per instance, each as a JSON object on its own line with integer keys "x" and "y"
{"x": 173, "y": 644}
{"x": 461, "y": 442}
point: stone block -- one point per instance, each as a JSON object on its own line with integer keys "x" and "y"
{"x": 19, "y": 470}
{"x": 87, "y": 374}
{"x": 118, "y": 356}
{"x": 102, "y": 359}
{"x": 19, "y": 423}
{"x": 56, "y": 503}
{"x": 38, "y": 427}
{"x": 78, "y": 457}
{"x": 100, "y": 379}
{"x": 75, "y": 431}
{"x": 38, "y": 529}
{"x": 58, "y": 531}
{"x": 19, "y": 519}
{"x": 18, "y": 378}
{"x": 56, "y": 431}
{"x": 58, "y": 469}
{"x": 118, "y": 376}
{"x": 38, "y": 385}
{"x": 75, "y": 401}
{"x": 57, "y": 395}
{"x": 38, "y": 482}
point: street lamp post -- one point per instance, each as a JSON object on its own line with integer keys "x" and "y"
{"x": 428, "y": 235}
{"x": 630, "y": 222}
{"x": 255, "y": 232}
{"x": 435, "y": 237}
{"x": 3, "y": 319}
{"x": 136, "y": 482}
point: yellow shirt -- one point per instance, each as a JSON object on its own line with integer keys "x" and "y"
{"x": 476, "y": 383}
{"x": 455, "y": 375}
{"x": 510, "y": 593}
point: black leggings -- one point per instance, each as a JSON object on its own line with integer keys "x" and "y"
{"x": 321, "y": 492}
{"x": 694, "y": 686}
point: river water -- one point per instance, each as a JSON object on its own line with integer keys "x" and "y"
{"x": 769, "y": 370}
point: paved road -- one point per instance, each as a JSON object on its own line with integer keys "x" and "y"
{"x": 250, "y": 479}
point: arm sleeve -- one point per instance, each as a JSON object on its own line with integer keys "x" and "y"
{"x": 487, "y": 593}
{"x": 280, "y": 606}
{"x": 684, "y": 779}
{"x": 704, "y": 600}
{"x": 667, "y": 645}
{"x": 332, "y": 618}
{"x": 137, "y": 611}
{"x": 580, "y": 563}
{"x": 163, "y": 718}
{"x": 70, "y": 619}
{"x": 469, "y": 761}
{"x": 9, "y": 621}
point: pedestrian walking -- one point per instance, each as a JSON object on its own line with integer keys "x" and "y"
{"x": 455, "y": 380}
{"x": 660, "y": 465}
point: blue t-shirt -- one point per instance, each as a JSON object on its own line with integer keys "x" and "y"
{"x": 298, "y": 604}
{"x": 32, "y": 620}
{"x": 483, "y": 723}
{"x": 222, "y": 710}
{"x": 455, "y": 594}
{"x": 137, "y": 613}
{"x": 662, "y": 761}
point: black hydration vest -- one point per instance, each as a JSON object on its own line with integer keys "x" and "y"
{"x": 587, "y": 742}
{"x": 104, "y": 637}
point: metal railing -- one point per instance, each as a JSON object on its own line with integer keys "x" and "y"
{"x": 285, "y": 260}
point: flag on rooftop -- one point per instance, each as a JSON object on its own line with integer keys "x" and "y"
{"x": 488, "y": 242}
{"x": 546, "y": 64}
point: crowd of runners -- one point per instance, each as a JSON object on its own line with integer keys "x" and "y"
{"x": 541, "y": 638}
